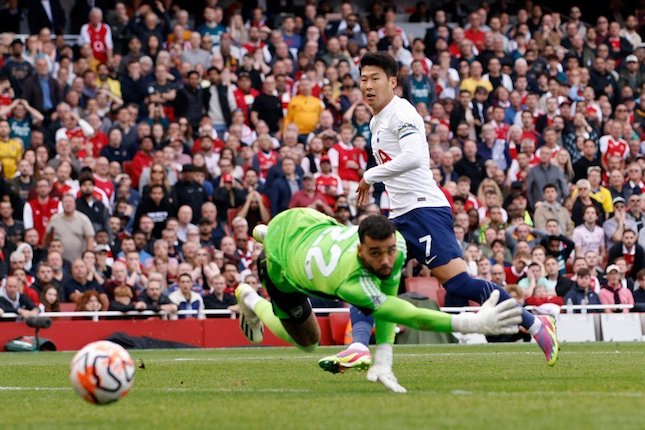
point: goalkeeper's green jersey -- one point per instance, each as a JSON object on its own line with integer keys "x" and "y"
{"x": 310, "y": 252}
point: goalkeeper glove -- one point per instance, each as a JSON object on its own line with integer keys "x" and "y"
{"x": 493, "y": 318}
{"x": 381, "y": 370}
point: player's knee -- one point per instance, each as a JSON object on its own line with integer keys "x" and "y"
{"x": 312, "y": 338}
{"x": 305, "y": 335}
{"x": 454, "y": 284}
{"x": 308, "y": 348}
{"x": 464, "y": 285}
{"x": 309, "y": 343}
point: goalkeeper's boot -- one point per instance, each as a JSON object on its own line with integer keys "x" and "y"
{"x": 548, "y": 340}
{"x": 251, "y": 325}
{"x": 260, "y": 232}
{"x": 351, "y": 358}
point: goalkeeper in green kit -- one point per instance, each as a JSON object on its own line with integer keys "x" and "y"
{"x": 308, "y": 253}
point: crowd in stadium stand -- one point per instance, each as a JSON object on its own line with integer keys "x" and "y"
{"x": 137, "y": 159}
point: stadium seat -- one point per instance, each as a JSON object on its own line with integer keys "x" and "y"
{"x": 338, "y": 323}
{"x": 230, "y": 214}
{"x": 67, "y": 307}
{"x": 128, "y": 168}
{"x": 427, "y": 286}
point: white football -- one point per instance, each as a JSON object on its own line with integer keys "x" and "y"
{"x": 102, "y": 372}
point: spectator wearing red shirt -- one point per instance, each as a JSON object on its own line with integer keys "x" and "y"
{"x": 474, "y": 33}
{"x": 102, "y": 181}
{"x": 254, "y": 41}
{"x": 458, "y": 37}
{"x": 99, "y": 140}
{"x": 38, "y": 211}
{"x": 327, "y": 183}
{"x": 613, "y": 143}
{"x": 74, "y": 126}
{"x": 245, "y": 95}
{"x": 346, "y": 160}
{"x": 266, "y": 157}
{"x": 517, "y": 269}
{"x": 98, "y": 35}
{"x": 528, "y": 128}
{"x": 309, "y": 197}
{"x": 541, "y": 296}
{"x": 142, "y": 159}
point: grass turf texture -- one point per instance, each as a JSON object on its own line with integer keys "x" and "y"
{"x": 485, "y": 387}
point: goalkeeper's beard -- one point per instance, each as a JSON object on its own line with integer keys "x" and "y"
{"x": 380, "y": 273}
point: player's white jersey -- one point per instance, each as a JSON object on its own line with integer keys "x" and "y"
{"x": 400, "y": 147}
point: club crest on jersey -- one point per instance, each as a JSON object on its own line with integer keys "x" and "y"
{"x": 406, "y": 129}
{"x": 297, "y": 312}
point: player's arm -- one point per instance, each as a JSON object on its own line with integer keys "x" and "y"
{"x": 493, "y": 318}
{"x": 399, "y": 311}
{"x": 412, "y": 142}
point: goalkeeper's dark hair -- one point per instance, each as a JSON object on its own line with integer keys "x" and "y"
{"x": 376, "y": 227}
{"x": 383, "y": 60}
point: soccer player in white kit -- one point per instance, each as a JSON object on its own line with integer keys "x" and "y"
{"x": 420, "y": 211}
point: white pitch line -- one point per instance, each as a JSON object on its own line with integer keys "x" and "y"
{"x": 399, "y": 355}
{"x": 626, "y": 394}
{"x": 456, "y": 392}
{"x": 220, "y": 359}
{"x": 455, "y": 354}
{"x": 227, "y": 390}
{"x": 402, "y": 354}
{"x": 34, "y": 389}
{"x": 174, "y": 389}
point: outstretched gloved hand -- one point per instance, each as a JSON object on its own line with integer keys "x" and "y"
{"x": 381, "y": 370}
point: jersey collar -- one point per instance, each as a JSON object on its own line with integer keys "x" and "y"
{"x": 388, "y": 107}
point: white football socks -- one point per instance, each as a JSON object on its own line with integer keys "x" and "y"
{"x": 535, "y": 327}
{"x": 251, "y": 299}
{"x": 358, "y": 346}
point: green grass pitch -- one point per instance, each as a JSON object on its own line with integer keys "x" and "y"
{"x": 471, "y": 387}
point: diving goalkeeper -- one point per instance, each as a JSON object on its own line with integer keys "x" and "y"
{"x": 308, "y": 253}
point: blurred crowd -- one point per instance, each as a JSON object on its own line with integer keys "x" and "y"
{"x": 138, "y": 155}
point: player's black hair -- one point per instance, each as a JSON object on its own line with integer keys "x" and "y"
{"x": 382, "y": 60}
{"x": 377, "y": 227}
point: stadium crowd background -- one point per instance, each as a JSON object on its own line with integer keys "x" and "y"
{"x": 136, "y": 161}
